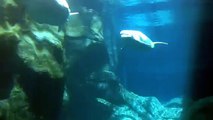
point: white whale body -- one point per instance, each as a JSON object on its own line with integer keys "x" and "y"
{"x": 139, "y": 37}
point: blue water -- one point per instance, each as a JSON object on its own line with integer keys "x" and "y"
{"x": 164, "y": 71}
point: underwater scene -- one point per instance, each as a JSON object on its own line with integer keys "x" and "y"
{"x": 106, "y": 60}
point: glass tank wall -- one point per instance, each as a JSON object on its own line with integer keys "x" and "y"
{"x": 106, "y": 60}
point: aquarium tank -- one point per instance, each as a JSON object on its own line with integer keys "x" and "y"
{"x": 106, "y": 60}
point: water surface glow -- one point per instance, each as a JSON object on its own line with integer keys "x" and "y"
{"x": 157, "y": 18}
{"x": 136, "y": 2}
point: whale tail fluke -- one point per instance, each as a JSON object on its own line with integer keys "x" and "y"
{"x": 165, "y": 43}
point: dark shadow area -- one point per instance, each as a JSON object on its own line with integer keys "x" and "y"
{"x": 44, "y": 93}
{"x": 8, "y": 65}
{"x": 86, "y": 81}
{"x": 200, "y": 104}
{"x": 203, "y": 70}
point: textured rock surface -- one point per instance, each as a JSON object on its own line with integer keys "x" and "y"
{"x": 142, "y": 108}
{"x": 75, "y": 27}
{"x": 16, "y": 107}
{"x": 200, "y": 110}
{"x": 8, "y": 56}
{"x": 37, "y": 42}
{"x": 37, "y": 47}
{"x": 34, "y": 52}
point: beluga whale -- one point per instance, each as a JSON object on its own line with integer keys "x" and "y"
{"x": 139, "y": 38}
{"x": 53, "y": 12}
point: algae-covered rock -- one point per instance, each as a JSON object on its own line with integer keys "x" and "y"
{"x": 49, "y": 33}
{"x": 9, "y": 30}
{"x": 9, "y": 37}
{"x": 16, "y": 107}
{"x": 37, "y": 46}
{"x": 75, "y": 27}
{"x": 87, "y": 24}
{"x": 38, "y": 57}
{"x": 97, "y": 27}
{"x": 8, "y": 2}
{"x": 11, "y": 11}
{"x": 37, "y": 42}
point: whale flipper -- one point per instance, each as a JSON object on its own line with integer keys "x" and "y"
{"x": 73, "y": 13}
